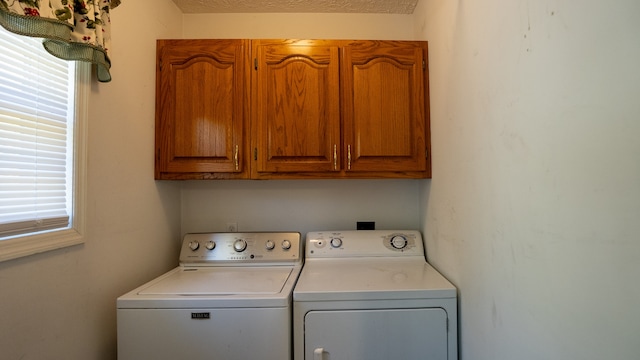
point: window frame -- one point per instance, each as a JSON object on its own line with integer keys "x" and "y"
{"x": 29, "y": 244}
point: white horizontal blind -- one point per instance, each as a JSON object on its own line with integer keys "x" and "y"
{"x": 36, "y": 130}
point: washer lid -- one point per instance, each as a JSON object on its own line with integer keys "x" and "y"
{"x": 371, "y": 279}
{"x": 204, "y": 281}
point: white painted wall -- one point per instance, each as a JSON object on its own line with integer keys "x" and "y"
{"x": 534, "y": 207}
{"x": 299, "y": 26}
{"x": 61, "y": 304}
{"x": 299, "y": 205}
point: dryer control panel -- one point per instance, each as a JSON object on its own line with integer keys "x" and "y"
{"x": 364, "y": 243}
{"x": 242, "y": 249}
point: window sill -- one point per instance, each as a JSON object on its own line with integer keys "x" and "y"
{"x": 38, "y": 243}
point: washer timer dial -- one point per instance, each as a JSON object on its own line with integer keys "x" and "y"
{"x": 239, "y": 245}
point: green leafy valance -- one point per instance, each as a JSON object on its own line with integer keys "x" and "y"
{"x": 72, "y": 29}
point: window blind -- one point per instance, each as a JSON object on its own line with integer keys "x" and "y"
{"x": 36, "y": 129}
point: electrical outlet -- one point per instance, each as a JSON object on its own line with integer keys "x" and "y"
{"x": 366, "y": 225}
{"x": 232, "y": 227}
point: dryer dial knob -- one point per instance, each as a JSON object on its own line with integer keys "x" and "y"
{"x": 286, "y": 244}
{"x": 399, "y": 242}
{"x": 239, "y": 245}
{"x": 210, "y": 245}
{"x": 336, "y": 242}
{"x": 194, "y": 245}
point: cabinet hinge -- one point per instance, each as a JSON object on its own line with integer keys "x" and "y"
{"x": 255, "y": 154}
{"x": 255, "y": 63}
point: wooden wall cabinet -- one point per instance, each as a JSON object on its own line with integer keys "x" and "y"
{"x": 202, "y": 109}
{"x": 295, "y": 108}
{"x": 319, "y": 109}
{"x": 384, "y": 112}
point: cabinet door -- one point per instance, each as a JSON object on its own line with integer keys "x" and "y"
{"x": 384, "y": 112}
{"x": 296, "y": 99}
{"x": 200, "y": 109}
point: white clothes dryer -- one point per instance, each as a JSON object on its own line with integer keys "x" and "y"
{"x": 229, "y": 299}
{"x": 371, "y": 295}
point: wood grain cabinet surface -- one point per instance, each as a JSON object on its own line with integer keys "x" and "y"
{"x": 292, "y": 109}
{"x": 202, "y": 109}
{"x": 296, "y": 108}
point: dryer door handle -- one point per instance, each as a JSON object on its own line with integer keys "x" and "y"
{"x": 317, "y": 354}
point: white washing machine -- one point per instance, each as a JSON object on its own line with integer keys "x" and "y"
{"x": 371, "y": 295}
{"x": 230, "y": 299}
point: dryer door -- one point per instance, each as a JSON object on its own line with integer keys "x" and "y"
{"x": 379, "y": 334}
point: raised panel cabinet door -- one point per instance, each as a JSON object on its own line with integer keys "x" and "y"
{"x": 296, "y": 104}
{"x": 201, "y": 109}
{"x": 384, "y": 113}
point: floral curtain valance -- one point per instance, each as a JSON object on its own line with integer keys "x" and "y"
{"x": 72, "y": 29}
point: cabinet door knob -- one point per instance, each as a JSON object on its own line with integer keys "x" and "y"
{"x": 335, "y": 157}
{"x": 348, "y": 157}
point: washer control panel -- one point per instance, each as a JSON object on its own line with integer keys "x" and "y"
{"x": 241, "y": 248}
{"x": 364, "y": 243}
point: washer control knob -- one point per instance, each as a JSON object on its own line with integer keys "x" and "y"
{"x": 194, "y": 245}
{"x": 210, "y": 245}
{"x": 286, "y": 244}
{"x": 239, "y": 245}
{"x": 270, "y": 245}
{"x": 336, "y": 242}
{"x": 399, "y": 242}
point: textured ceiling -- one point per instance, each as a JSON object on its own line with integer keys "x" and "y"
{"x": 297, "y": 6}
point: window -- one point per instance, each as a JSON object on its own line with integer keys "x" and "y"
{"x": 43, "y": 105}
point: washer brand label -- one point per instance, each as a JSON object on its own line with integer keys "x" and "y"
{"x": 201, "y": 316}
